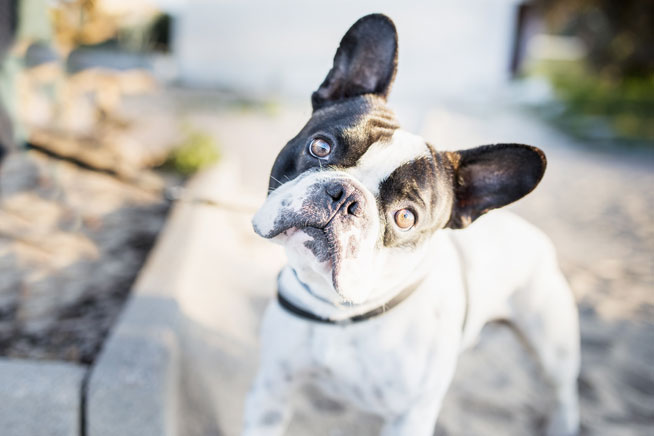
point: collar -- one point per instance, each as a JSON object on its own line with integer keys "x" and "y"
{"x": 309, "y": 316}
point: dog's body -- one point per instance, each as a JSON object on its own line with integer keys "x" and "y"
{"x": 381, "y": 293}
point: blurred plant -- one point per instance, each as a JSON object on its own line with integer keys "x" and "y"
{"x": 608, "y": 95}
{"x": 619, "y": 35}
{"x": 81, "y": 22}
{"x": 598, "y": 108}
{"x": 197, "y": 150}
{"x": 159, "y": 33}
{"x": 94, "y": 22}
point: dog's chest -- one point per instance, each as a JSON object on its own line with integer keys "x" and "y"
{"x": 379, "y": 366}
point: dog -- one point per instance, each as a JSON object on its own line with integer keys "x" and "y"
{"x": 393, "y": 264}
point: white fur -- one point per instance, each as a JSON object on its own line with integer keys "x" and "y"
{"x": 355, "y": 275}
{"x": 384, "y": 157}
{"x": 400, "y": 364}
{"x": 294, "y": 192}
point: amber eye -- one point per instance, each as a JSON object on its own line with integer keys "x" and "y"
{"x": 319, "y": 148}
{"x": 404, "y": 219}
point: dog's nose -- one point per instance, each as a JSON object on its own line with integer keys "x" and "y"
{"x": 344, "y": 198}
{"x": 335, "y": 191}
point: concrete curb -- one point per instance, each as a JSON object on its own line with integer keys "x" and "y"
{"x": 40, "y": 398}
{"x": 134, "y": 387}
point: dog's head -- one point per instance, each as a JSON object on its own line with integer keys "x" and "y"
{"x": 354, "y": 199}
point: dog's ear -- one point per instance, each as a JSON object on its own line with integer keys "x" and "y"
{"x": 365, "y": 62}
{"x": 492, "y": 176}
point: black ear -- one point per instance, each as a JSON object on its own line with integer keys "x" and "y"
{"x": 365, "y": 62}
{"x": 492, "y": 176}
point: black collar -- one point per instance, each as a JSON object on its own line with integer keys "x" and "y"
{"x": 299, "y": 312}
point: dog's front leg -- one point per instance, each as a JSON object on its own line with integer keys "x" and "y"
{"x": 267, "y": 407}
{"x": 268, "y": 404}
{"x": 419, "y": 419}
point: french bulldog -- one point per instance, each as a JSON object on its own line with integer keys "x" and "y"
{"x": 394, "y": 265}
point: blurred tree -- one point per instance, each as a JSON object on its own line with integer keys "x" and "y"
{"x": 82, "y": 22}
{"x": 619, "y": 34}
{"x": 8, "y": 25}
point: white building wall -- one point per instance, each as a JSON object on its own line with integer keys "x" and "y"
{"x": 448, "y": 48}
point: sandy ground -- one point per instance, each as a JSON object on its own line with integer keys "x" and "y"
{"x": 597, "y": 208}
{"x": 71, "y": 244}
{"x": 73, "y": 239}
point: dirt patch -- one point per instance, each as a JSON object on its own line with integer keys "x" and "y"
{"x": 72, "y": 241}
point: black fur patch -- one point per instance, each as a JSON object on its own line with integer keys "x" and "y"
{"x": 350, "y": 105}
{"x": 350, "y": 127}
{"x": 424, "y": 187}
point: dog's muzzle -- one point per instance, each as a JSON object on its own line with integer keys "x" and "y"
{"x": 333, "y": 213}
{"x": 335, "y": 202}
{"x": 344, "y": 199}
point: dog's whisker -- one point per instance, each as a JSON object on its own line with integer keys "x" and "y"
{"x": 276, "y": 180}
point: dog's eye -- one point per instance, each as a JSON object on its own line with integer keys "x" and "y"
{"x": 405, "y": 219}
{"x": 319, "y": 148}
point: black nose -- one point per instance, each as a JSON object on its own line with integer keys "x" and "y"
{"x": 344, "y": 198}
{"x": 335, "y": 191}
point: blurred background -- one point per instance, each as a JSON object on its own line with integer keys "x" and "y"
{"x": 107, "y": 107}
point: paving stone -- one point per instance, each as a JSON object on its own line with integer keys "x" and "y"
{"x": 40, "y": 398}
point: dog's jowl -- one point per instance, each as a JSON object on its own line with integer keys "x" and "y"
{"x": 394, "y": 264}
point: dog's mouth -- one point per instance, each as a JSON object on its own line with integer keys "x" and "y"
{"x": 328, "y": 249}
{"x": 324, "y": 234}
{"x": 308, "y": 219}
{"x": 320, "y": 243}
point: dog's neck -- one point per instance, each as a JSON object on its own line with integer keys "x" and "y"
{"x": 298, "y": 298}
{"x": 300, "y": 294}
